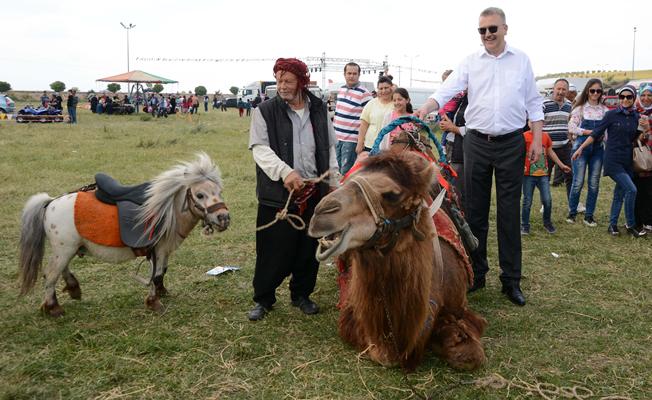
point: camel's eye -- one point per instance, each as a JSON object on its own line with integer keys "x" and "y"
{"x": 391, "y": 197}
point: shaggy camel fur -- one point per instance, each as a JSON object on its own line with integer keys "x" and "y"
{"x": 407, "y": 297}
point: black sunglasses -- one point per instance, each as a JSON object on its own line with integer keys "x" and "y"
{"x": 626, "y": 96}
{"x": 593, "y": 91}
{"x": 492, "y": 29}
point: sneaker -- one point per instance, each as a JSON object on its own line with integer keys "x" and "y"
{"x": 549, "y": 227}
{"x": 525, "y": 230}
{"x": 647, "y": 228}
{"x": 580, "y": 208}
{"x": 613, "y": 230}
{"x": 570, "y": 219}
{"x": 589, "y": 221}
{"x": 635, "y": 232}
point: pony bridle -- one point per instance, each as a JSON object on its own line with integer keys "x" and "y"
{"x": 192, "y": 205}
{"x": 385, "y": 226}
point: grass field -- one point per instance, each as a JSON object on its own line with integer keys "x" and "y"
{"x": 588, "y": 322}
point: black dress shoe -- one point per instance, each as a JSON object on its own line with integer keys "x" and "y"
{"x": 258, "y": 312}
{"x": 306, "y": 305}
{"x": 514, "y": 294}
{"x": 477, "y": 284}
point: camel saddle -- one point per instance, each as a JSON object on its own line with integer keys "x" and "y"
{"x": 127, "y": 199}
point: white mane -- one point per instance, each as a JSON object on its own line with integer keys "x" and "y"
{"x": 169, "y": 189}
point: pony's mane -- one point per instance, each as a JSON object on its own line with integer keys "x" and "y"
{"x": 169, "y": 188}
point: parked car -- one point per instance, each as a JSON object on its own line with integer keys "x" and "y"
{"x": 610, "y": 101}
{"x": 7, "y": 105}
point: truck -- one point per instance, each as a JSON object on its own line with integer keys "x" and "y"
{"x": 254, "y": 89}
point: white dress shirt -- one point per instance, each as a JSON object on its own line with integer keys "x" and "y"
{"x": 502, "y": 91}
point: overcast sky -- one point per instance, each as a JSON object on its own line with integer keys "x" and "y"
{"x": 79, "y": 41}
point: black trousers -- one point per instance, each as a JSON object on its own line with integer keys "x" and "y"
{"x": 505, "y": 160}
{"x": 282, "y": 251}
{"x": 564, "y": 154}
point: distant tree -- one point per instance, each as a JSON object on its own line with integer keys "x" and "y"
{"x": 234, "y": 90}
{"x": 200, "y": 90}
{"x": 158, "y": 88}
{"x": 58, "y": 86}
{"x": 4, "y": 87}
{"x": 113, "y": 87}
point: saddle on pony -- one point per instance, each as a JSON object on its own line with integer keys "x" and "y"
{"x": 106, "y": 213}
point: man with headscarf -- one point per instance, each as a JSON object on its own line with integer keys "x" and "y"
{"x": 292, "y": 139}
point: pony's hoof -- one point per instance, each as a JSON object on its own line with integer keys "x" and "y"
{"x": 53, "y": 310}
{"x": 153, "y": 303}
{"x": 73, "y": 291}
{"x": 162, "y": 291}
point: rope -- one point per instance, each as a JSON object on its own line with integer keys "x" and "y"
{"x": 293, "y": 219}
{"x": 547, "y": 391}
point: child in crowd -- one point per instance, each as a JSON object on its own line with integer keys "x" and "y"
{"x": 536, "y": 175}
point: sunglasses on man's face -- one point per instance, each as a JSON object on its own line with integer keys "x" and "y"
{"x": 492, "y": 29}
{"x": 626, "y": 96}
{"x": 594, "y": 91}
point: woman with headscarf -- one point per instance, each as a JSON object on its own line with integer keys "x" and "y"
{"x": 622, "y": 123}
{"x": 643, "y": 180}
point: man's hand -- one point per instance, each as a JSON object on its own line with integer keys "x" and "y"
{"x": 565, "y": 168}
{"x": 534, "y": 153}
{"x": 447, "y": 125}
{"x": 429, "y": 106}
{"x": 293, "y": 181}
{"x": 359, "y": 148}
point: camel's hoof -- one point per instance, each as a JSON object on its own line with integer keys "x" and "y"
{"x": 53, "y": 310}
{"x": 74, "y": 291}
{"x": 153, "y": 303}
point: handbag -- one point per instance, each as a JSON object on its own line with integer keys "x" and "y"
{"x": 642, "y": 157}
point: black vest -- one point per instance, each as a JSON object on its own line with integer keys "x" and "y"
{"x": 279, "y": 130}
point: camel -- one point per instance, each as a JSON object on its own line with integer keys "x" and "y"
{"x": 407, "y": 288}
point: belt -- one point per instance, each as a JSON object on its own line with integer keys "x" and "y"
{"x": 496, "y": 138}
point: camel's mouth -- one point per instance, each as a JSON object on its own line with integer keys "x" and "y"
{"x": 330, "y": 244}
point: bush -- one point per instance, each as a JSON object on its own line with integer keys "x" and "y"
{"x": 4, "y": 87}
{"x": 200, "y": 90}
{"x": 58, "y": 86}
{"x": 234, "y": 90}
{"x": 158, "y": 88}
{"x": 113, "y": 87}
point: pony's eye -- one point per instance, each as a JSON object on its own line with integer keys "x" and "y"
{"x": 200, "y": 196}
{"x": 391, "y": 197}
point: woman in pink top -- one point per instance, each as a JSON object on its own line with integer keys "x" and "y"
{"x": 587, "y": 112}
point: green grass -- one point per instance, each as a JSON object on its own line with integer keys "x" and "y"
{"x": 587, "y": 322}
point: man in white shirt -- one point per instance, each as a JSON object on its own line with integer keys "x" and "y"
{"x": 502, "y": 95}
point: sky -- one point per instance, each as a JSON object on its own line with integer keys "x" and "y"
{"x": 77, "y": 41}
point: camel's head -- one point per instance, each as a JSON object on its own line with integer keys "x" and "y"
{"x": 392, "y": 184}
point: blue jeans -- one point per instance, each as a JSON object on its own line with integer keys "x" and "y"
{"x": 346, "y": 155}
{"x": 591, "y": 157}
{"x": 72, "y": 113}
{"x": 529, "y": 183}
{"x": 625, "y": 191}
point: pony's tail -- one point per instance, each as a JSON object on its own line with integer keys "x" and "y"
{"x": 32, "y": 240}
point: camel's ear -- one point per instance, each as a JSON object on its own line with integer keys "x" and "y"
{"x": 425, "y": 170}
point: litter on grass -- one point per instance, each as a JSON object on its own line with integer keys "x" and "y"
{"x": 222, "y": 269}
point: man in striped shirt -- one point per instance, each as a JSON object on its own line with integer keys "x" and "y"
{"x": 351, "y": 99}
{"x": 556, "y": 111}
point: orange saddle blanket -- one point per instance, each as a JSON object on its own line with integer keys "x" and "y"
{"x": 97, "y": 221}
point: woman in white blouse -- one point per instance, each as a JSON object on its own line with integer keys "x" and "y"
{"x": 587, "y": 112}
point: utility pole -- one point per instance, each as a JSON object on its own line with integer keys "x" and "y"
{"x": 128, "y": 28}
